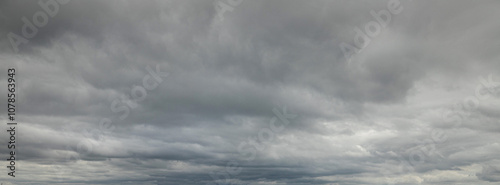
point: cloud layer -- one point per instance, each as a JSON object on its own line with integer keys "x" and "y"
{"x": 375, "y": 118}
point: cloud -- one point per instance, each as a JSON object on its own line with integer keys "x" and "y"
{"x": 355, "y": 120}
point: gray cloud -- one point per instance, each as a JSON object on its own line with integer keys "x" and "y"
{"x": 355, "y": 120}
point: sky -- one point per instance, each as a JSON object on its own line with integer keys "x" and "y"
{"x": 256, "y": 92}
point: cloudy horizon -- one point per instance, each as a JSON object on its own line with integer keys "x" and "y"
{"x": 252, "y": 91}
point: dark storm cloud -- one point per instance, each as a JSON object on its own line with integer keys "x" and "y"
{"x": 356, "y": 119}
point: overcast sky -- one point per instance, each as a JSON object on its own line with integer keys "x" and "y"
{"x": 258, "y": 92}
